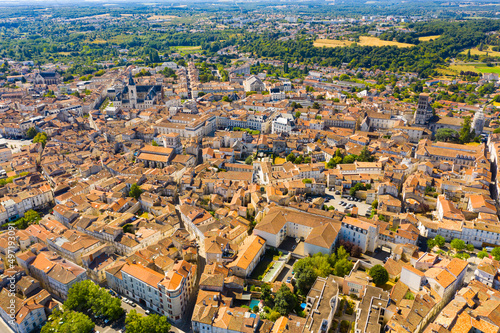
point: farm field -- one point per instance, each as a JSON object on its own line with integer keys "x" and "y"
{"x": 456, "y": 69}
{"x": 161, "y": 17}
{"x": 187, "y": 49}
{"x": 363, "y": 41}
{"x": 489, "y": 51}
{"x": 428, "y": 38}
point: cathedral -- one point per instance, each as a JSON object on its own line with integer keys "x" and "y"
{"x": 134, "y": 96}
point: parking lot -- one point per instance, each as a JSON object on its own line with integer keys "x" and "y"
{"x": 332, "y": 199}
{"x": 287, "y": 270}
{"x": 15, "y": 145}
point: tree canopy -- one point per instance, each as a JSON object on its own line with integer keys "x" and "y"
{"x": 153, "y": 323}
{"x": 68, "y": 322}
{"x": 86, "y": 295}
{"x": 379, "y": 275}
{"x": 308, "y": 269}
{"x": 42, "y": 138}
{"x": 135, "y": 191}
{"x": 285, "y": 301}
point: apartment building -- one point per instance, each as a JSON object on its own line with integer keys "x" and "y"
{"x": 361, "y": 233}
{"x": 166, "y": 294}
{"x": 55, "y": 273}
{"x": 320, "y": 234}
{"x": 19, "y": 314}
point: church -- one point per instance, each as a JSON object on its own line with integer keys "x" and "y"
{"x": 134, "y": 96}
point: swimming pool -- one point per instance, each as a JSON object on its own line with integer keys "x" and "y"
{"x": 253, "y": 303}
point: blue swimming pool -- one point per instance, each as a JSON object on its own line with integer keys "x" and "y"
{"x": 253, "y": 303}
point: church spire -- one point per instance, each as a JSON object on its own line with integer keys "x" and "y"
{"x": 130, "y": 79}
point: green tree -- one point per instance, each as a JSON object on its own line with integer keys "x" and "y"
{"x": 226, "y": 99}
{"x": 31, "y": 132}
{"x": 466, "y": 134}
{"x": 431, "y": 244}
{"x": 457, "y": 244}
{"x": 249, "y": 160}
{"x": 42, "y": 138}
{"x": 135, "y": 191}
{"x": 274, "y": 315}
{"x": 496, "y": 253}
{"x": 297, "y": 114}
{"x": 333, "y": 162}
{"x": 379, "y": 275}
{"x": 316, "y": 105}
{"x": 365, "y": 155}
{"x": 68, "y": 322}
{"x": 136, "y": 323}
{"x": 86, "y": 295}
{"x": 349, "y": 159}
{"x": 470, "y": 247}
{"x": 446, "y": 134}
{"x": 440, "y": 241}
{"x": 31, "y": 216}
{"x": 375, "y": 204}
{"x": 290, "y": 158}
{"x": 285, "y": 301}
{"x": 154, "y": 143}
{"x": 266, "y": 294}
{"x": 482, "y": 254}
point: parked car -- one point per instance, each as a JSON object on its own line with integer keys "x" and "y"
{"x": 132, "y": 304}
{"x": 289, "y": 279}
{"x": 147, "y": 312}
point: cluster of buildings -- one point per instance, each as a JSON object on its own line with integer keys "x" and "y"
{"x": 229, "y": 170}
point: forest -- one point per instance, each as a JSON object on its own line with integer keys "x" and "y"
{"x": 83, "y": 46}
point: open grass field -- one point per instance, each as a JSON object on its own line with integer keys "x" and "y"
{"x": 428, "y": 38}
{"x": 457, "y": 68}
{"x": 187, "y": 49}
{"x": 97, "y": 41}
{"x": 363, "y": 41}
{"x": 489, "y": 52}
{"x": 161, "y": 17}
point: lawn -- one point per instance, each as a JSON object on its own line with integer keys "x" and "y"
{"x": 428, "y": 38}
{"x": 187, "y": 49}
{"x": 363, "y": 41}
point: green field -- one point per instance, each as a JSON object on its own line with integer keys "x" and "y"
{"x": 469, "y": 68}
{"x": 187, "y": 49}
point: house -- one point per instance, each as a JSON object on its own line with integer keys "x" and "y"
{"x": 248, "y": 256}
{"x": 371, "y": 310}
{"x": 360, "y": 232}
